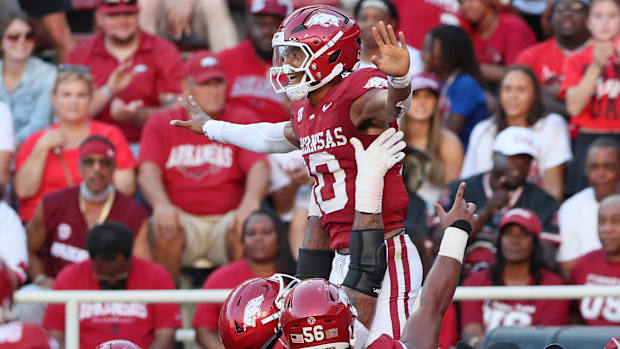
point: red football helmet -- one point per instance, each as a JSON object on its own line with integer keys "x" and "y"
{"x": 318, "y": 314}
{"x": 118, "y": 344}
{"x": 249, "y": 317}
{"x": 319, "y": 41}
{"x": 7, "y": 313}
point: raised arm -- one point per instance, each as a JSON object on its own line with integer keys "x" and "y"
{"x": 578, "y": 96}
{"x": 264, "y": 137}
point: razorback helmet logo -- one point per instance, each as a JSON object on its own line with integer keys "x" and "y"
{"x": 118, "y": 344}
{"x": 324, "y": 20}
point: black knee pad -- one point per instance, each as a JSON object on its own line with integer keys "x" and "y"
{"x": 368, "y": 261}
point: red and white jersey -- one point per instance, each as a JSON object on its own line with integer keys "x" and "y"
{"x": 594, "y": 269}
{"x": 324, "y": 140}
{"x": 23, "y": 335}
{"x": 386, "y": 342}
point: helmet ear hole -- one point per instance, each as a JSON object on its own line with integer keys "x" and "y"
{"x": 298, "y": 29}
{"x": 334, "y": 57}
{"x": 238, "y": 328}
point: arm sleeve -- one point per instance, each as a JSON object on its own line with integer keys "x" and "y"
{"x": 7, "y": 139}
{"x": 261, "y": 138}
{"x": 41, "y": 116}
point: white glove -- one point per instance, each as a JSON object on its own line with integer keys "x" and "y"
{"x": 372, "y": 165}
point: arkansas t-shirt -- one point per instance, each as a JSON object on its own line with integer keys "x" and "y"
{"x": 195, "y": 168}
{"x": 101, "y": 322}
{"x": 603, "y": 110}
{"x": 594, "y": 269}
{"x": 226, "y": 277}
{"x": 495, "y": 313}
{"x": 54, "y": 177}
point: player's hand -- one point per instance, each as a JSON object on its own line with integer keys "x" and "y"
{"x": 179, "y": 18}
{"x": 601, "y": 51}
{"x": 121, "y": 77}
{"x": 461, "y": 210}
{"x": 199, "y": 117}
{"x": 167, "y": 220}
{"x": 383, "y": 153}
{"x": 393, "y": 59}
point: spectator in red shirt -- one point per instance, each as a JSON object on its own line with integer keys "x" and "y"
{"x": 247, "y": 64}
{"x": 519, "y": 262}
{"x": 48, "y": 159}
{"x": 136, "y": 74}
{"x": 592, "y": 84}
{"x": 111, "y": 267}
{"x": 178, "y": 170}
{"x": 260, "y": 250}
{"x": 548, "y": 58}
{"x": 602, "y": 267}
{"x": 498, "y": 36}
{"x": 419, "y": 16}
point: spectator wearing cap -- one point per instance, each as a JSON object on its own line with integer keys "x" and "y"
{"x": 518, "y": 262}
{"x": 548, "y": 58}
{"x": 135, "y": 73}
{"x": 419, "y": 16}
{"x": 367, "y": 14}
{"x": 438, "y": 154}
{"x": 247, "y": 64}
{"x": 179, "y": 170}
{"x": 601, "y": 267}
{"x": 521, "y": 106}
{"x": 591, "y": 86}
{"x": 196, "y": 22}
{"x": 57, "y": 232}
{"x": 26, "y": 81}
{"x": 112, "y": 267}
{"x": 578, "y": 215}
{"x": 449, "y": 54}
{"x": 48, "y": 159}
{"x": 498, "y": 36}
{"x": 503, "y": 187}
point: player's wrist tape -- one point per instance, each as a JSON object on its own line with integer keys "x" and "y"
{"x": 367, "y": 252}
{"x": 368, "y": 192}
{"x": 314, "y": 263}
{"x": 454, "y": 242}
{"x": 400, "y": 82}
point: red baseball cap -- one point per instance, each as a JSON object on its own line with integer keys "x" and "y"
{"x": 118, "y": 6}
{"x": 280, "y": 8}
{"x": 425, "y": 81}
{"x": 203, "y": 66}
{"x": 523, "y": 217}
{"x": 97, "y": 145}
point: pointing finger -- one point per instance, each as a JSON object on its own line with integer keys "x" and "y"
{"x": 458, "y": 200}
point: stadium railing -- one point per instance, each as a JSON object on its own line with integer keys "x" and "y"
{"x": 72, "y": 299}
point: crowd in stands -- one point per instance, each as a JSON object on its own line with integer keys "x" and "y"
{"x": 517, "y": 99}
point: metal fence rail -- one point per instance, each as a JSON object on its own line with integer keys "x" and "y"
{"x": 71, "y": 299}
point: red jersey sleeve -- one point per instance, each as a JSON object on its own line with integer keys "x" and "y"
{"x": 471, "y": 311}
{"x": 170, "y": 74}
{"x": 151, "y": 141}
{"x": 166, "y": 315}
{"x": 26, "y": 149}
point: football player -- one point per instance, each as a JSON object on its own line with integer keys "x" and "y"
{"x": 316, "y": 50}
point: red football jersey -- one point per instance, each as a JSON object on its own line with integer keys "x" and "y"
{"x": 23, "y": 335}
{"x": 594, "y": 269}
{"x": 603, "y": 110}
{"x": 514, "y": 312}
{"x": 324, "y": 140}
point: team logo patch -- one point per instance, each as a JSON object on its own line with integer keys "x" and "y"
{"x": 252, "y": 311}
{"x": 64, "y": 231}
{"x": 324, "y": 20}
{"x": 311, "y": 320}
{"x": 376, "y": 82}
{"x": 140, "y": 68}
{"x": 209, "y": 62}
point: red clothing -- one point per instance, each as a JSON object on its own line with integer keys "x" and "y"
{"x": 547, "y": 60}
{"x": 417, "y": 17}
{"x": 514, "y": 312}
{"x": 194, "y": 167}
{"x": 324, "y": 140}
{"x": 511, "y": 36}
{"x": 386, "y": 342}
{"x": 248, "y": 84}
{"x": 602, "y": 112}
{"x": 226, "y": 277}
{"x": 66, "y": 229}
{"x": 101, "y": 322}
{"x": 157, "y": 62}
{"x": 449, "y": 335}
{"x": 594, "y": 269}
{"x": 53, "y": 174}
{"x": 23, "y": 335}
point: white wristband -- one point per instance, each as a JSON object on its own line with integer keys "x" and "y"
{"x": 400, "y": 82}
{"x": 453, "y": 243}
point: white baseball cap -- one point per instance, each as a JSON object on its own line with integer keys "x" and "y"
{"x": 514, "y": 141}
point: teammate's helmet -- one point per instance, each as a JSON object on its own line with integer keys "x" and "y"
{"x": 7, "y": 313}
{"x": 317, "y": 314}
{"x": 249, "y": 317}
{"x": 118, "y": 344}
{"x": 320, "y": 41}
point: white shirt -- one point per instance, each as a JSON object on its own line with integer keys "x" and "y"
{"x": 553, "y": 146}
{"x": 13, "y": 248}
{"x": 7, "y": 135}
{"x": 416, "y": 66}
{"x": 577, "y": 218}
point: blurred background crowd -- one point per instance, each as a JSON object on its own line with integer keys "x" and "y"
{"x": 517, "y": 98}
